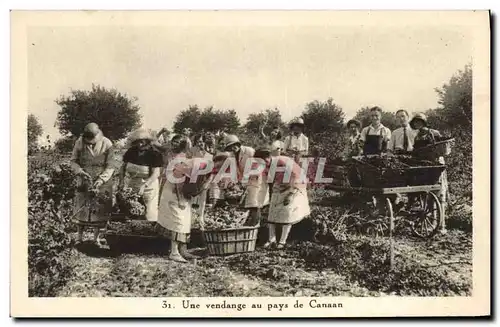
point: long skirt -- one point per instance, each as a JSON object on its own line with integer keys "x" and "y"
{"x": 88, "y": 211}
{"x": 294, "y": 212}
{"x": 174, "y": 215}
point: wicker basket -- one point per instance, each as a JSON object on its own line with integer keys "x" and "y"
{"x": 437, "y": 149}
{"x": 231, "y": 241}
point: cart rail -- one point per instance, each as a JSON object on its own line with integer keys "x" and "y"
{"x": 389, "y": 190}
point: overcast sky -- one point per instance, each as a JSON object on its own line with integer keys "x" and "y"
{"x": 244, "y": 68}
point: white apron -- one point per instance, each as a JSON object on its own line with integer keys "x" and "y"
{"x": 295, "y": 211}
{"x": 257, "y": 196}
{"x": 137, "y": 176}
{"x": 175, "y": 210}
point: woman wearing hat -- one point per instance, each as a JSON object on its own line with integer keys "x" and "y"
{"x": 256, "y": 191}
{"x": 142, "y": 164}
{"x": 296, "y": 144}
{"x": 177, "y": 148}
{"x": 289, "y": 202}
{"x": 92, "y": 161}
{"x": 175, "y": 214}
{"x": 427, "y": 136}
{"x": 353, "y": 145}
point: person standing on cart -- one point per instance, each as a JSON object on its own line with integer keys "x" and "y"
{"x": 376, "y": 136}
{"x": 141, "y": 165}
{"x": 426, "y": 136}
{"x": 402, "y": 138}
{"x": 92, "y": 161}
{"x": 297, "y": 143}
{"x": 354, "y": 145}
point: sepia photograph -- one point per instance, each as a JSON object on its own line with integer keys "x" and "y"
{"x": 250, "y": 163}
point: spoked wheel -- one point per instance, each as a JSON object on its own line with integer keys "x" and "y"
{"x": 426, "y": 213}
{"x": 374, "y": 215}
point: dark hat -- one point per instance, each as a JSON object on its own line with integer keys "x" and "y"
{"x": 263, "y": 152}
{"x": 354, "y": 121}
{"x": 420, "y": 117}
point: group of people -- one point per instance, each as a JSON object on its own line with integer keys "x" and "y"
{"x": 413, "y": 135}
{"x": 144, "y": 167}
{"x": 375, "y": 138}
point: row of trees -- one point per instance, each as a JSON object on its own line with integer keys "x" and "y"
{"x": 117, "y": 114}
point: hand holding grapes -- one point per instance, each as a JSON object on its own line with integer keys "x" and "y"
{"x": 98, "y": 183}
{"x": 84, "y": 174}
{"x": 142, "y": 189}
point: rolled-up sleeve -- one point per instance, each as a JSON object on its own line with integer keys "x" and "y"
{"x": 362, "y": 137}
{"x": 387, "y": 134}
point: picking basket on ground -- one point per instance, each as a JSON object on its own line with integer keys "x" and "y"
{"x": 231, "y": 240}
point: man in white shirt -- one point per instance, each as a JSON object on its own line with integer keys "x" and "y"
{"x": 402, "y": 138}
{"x": 376, "y": 136}
{"x": 297, "y": 144}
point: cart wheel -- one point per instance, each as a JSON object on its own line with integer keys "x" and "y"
{"x": 377, "y": 228}
{"x": 374, "y": 218}
{"x": 426, "y": 216}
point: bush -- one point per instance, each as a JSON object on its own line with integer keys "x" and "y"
{"x": 50, "y": 194}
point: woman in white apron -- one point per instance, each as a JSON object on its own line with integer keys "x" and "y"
{"x": 141, "y": 165}
{"x": 91, "y": 160}
{"x": 174, "y": 220}
{"x": 289, "y": 201}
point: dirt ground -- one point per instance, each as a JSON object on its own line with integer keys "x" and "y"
{"x": 97, "y": 272}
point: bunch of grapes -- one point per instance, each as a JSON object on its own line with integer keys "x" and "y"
{"x": 130, "y": 202}
{"x": 234, "y": 191}
{"x": 224, "y": 217}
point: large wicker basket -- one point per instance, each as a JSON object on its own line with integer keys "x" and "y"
{"x": 437, "y": 149}
{"x": 231, "y": 241}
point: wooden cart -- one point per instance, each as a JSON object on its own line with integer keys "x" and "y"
{"x": 379, "y": 195}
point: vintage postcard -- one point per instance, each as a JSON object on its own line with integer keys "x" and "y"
{"x": 250, "y": 163}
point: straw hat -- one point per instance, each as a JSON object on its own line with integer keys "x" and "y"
{"x": 140, "y": 134}
{"x": 296, "y": 122}
{"x": 230, "y": 140}
{"x": 418, "y": 116}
